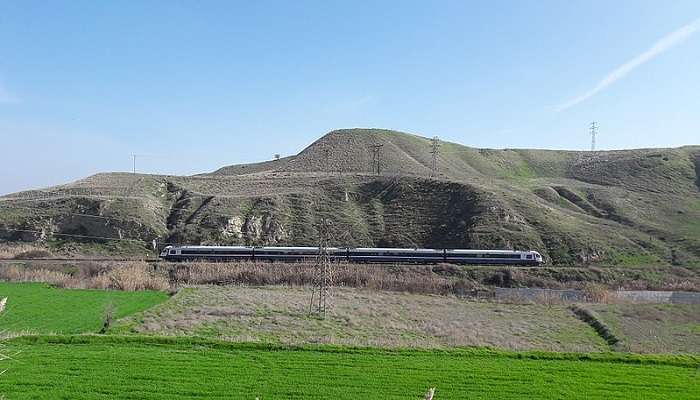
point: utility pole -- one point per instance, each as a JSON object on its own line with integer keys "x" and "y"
{"x": 323, "y": 275}
{"x": 594, "y": 131}
{"x": 134, "y": 157}
{"x": 376, "y": 158}
{"x": 434, "y": 150}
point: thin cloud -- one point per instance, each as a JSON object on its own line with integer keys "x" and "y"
{"x": 620, "y": 72}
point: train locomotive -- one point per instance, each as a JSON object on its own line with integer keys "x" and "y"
{"x": 354, "y": 255}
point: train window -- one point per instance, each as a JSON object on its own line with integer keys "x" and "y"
{"x": 529, "y": 256}
{"x": 173, "y": 252}
{"x": 493, "y": 255}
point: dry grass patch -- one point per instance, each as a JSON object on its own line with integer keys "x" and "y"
{"x": 442, "y": 279}
{"x": 653, "y": 328}
{"x": 136, "y": 276}
{"x": 365, "y": 318}
{"x": 128, "y": 276}
{"x": 9, "y": 251}
{"x": 139, "y": 275}
{"x": 413, "y": 279}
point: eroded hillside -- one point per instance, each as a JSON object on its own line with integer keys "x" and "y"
{"x": 619, "y": 207}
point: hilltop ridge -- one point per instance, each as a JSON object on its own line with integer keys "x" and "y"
{"x": 349, "y": 151}
{"x": 614, "y": 207}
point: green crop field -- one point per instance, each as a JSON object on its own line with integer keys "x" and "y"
{"x": 40, "y": 308}
{"x": 98, "y": 367}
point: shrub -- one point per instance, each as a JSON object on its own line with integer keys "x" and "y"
{"x": 108, "y": 318}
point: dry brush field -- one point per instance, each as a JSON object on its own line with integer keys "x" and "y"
{"x": 362, "y": 317}
{"x": 428, "y": 279}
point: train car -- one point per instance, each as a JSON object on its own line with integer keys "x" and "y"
{"x": 396, "y": 255}
{"x": 493, "y": 257}
{"x": 208, "y": 253}
{"x": 358, "y": 255}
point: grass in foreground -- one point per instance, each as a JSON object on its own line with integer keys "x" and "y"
{"x": 159, "y": 368}
{"x": 40, "y": 308}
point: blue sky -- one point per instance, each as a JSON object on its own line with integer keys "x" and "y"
{"x": 192, "y": 86}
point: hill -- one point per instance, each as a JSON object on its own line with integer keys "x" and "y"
{"x": 605, "y": 207}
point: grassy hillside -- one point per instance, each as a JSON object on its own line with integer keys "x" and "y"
{"x": 158, "y": 368}
{"x": 609, "y": 207}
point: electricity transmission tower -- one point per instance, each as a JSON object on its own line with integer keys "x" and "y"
{"x": 594, "y": 131}
{"x": 323, "y": 274}
{"x": 434, "y": 150}
{"x": 376, "y": 158}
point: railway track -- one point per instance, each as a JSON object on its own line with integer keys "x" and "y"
{"x": 49, "y": 260}
{"x": 161, "y": 261}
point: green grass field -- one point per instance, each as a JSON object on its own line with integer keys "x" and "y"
{"x": 40, "y": 308}
{"x": 99, "y": 367}
{"x": 185, "y": 367}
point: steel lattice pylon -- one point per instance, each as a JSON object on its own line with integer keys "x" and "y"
{"x": 322, "y": 280}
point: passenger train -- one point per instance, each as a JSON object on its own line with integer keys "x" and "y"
{"x": 357, "y": 255}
